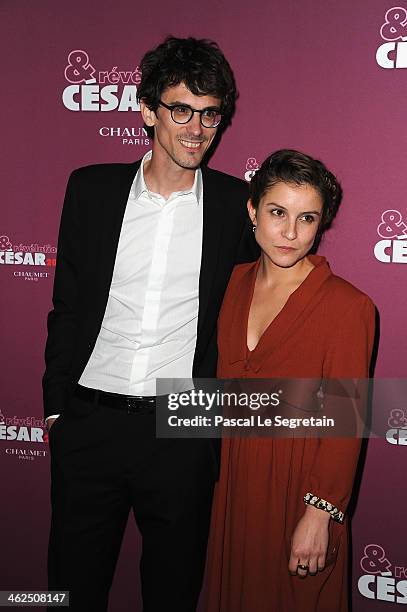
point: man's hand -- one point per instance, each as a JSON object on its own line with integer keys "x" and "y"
{"x": 309, "y": 543}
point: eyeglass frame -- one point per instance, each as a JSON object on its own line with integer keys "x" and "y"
{"x": 200, "y": 112}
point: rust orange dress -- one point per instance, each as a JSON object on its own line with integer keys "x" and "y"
{"x": 326, "y": 329}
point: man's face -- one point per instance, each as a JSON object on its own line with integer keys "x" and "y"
{"x": 183, "y": 144}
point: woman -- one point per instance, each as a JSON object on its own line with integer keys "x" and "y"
{"x": 280, "y": 507}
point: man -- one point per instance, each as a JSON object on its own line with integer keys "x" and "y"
{"x": 145, "y": 252}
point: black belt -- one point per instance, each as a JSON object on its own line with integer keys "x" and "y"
{"x": 132, "y": 404}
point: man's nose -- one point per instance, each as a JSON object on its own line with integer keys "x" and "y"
{"x": 195, "y": 125}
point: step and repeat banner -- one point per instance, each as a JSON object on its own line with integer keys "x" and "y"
{"x": 328, "y": 78}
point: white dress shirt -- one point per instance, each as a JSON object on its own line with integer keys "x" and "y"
{"x": 149, "y": 329}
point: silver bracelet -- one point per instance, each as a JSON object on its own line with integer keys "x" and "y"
{"x": 312, "y": 500}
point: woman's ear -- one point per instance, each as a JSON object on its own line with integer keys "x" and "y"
{"x": 252, "y": 211}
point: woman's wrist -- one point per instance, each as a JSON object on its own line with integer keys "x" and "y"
{"x": 317, "y": 515}
{"x": 319, "y": 503}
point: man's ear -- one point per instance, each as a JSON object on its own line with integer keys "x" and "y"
{"x": 252, "y": 211}
{"x": 148, "y": 115}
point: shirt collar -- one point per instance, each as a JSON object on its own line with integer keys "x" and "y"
{"x": 140, "y": 186}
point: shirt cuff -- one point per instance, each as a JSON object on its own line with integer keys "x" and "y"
{"x": 312, "y": 500}
{"x": 51, "y": 416}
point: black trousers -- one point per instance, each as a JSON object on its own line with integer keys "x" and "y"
{"x": 104, "y": 463}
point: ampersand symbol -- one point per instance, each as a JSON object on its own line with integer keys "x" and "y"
{"x": 374, "y": 561}
{"x": 392, "y": 225}
{"x": 79, "y": 69}
{"x": 397, "y": 418}
{"x": 395, "y": 25}
{"x": 5, "y": 244}
{"x": 252, "y": 164}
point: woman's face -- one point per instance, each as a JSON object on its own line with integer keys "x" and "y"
{"x": 287, "y": 221}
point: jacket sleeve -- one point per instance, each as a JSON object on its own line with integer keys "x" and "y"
{"x": 348, "y": 356}
{"x": 63, "y": 318}
{"x": 248, "y": 249}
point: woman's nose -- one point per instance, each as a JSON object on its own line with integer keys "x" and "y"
{"x": 290, "y": 230}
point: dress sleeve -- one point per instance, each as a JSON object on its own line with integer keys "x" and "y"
{"x": 347, "y": 356}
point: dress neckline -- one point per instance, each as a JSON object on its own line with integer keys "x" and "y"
{"x": 274, "y": 334}
{"x": 251, "y": 295}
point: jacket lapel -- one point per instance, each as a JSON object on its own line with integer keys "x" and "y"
{"x": 113, "y": 205}
{"x": 213, "y": 219}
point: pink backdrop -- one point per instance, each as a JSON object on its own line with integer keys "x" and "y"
{"x": 308, "y": 79}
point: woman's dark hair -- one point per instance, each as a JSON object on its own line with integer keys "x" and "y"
{"x": 198, "y": 63}
{"x": 292, "y": 167}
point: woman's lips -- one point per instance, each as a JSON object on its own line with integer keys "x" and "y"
{"x": 286, "y": 249}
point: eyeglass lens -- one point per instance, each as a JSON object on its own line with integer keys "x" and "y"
{"x": 183, "y": 114}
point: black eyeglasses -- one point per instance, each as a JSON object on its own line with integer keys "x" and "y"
{"x": 182, "y": 113}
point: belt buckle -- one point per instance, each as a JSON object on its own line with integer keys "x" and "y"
{"x": 131, "y": 406}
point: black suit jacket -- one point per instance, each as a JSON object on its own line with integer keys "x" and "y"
{"x": 92, "y": 217}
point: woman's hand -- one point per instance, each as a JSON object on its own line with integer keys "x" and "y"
{"x": 309, "y": 542}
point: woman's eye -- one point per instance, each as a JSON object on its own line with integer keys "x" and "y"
{"x": 308, "y": 218}
{"x": 277, "y": 212}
